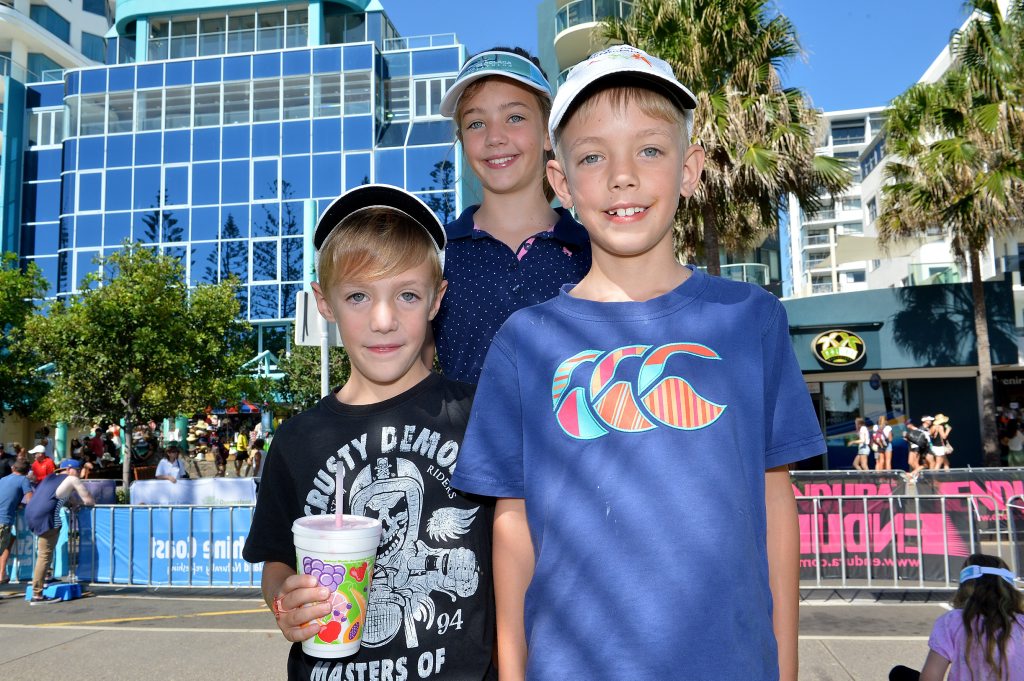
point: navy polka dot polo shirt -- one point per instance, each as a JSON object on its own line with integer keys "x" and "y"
{"x": 488, "y": 281}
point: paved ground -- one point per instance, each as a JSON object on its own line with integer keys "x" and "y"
{"x": 221, "y": 635}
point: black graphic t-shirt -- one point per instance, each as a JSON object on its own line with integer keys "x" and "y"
{"x": 431, "y": 609}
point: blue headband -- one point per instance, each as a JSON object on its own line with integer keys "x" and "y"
{"x": 974, "y": 571}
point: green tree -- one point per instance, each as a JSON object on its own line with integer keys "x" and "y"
{"x": 443, "y": 203}
{"x": 21, "y": 387}
{"x": 759, "y": 137}
{"x": 959, "y": 164}
{"x": 137, "y": 343}
{"x": 301, "y": 385}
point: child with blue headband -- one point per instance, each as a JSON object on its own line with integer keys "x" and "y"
{"x": 513, "y": 250}
{"x": 983, "y": 636}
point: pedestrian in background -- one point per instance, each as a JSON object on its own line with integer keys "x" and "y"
{"x": 940, "y": 441}
{"x": 860, "y": 461}
{"x": 14, "y": 489}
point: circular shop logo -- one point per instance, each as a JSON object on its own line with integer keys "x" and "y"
{"x": 838, "y": 348}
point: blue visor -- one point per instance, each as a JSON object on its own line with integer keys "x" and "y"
{"x": 495, "y": 63}
{"x": 975, "y": 571}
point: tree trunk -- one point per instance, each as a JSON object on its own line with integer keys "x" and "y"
{"x": 126, "y": 453}
{"x": 711, "y": 240}
{"x": 989, "y": 441}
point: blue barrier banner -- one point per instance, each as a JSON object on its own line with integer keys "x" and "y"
{"x": 202, "y": 492}
{"x": 173, "y": 546}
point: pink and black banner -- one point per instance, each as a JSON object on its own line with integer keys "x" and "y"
{"x": 921, "y": 532}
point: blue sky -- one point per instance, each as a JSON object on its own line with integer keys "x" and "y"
{"x": 858, "y": 52}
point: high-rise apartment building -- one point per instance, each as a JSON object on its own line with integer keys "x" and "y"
{"x": 218, "y": 130}
{"x": 811, "y": 237}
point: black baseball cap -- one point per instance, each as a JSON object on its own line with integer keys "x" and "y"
{"x": 387, "y": 196}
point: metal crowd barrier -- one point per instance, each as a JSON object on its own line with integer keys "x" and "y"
{"x": 894, "y": 533}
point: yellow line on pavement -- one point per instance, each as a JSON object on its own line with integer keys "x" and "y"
{"x": 153, "y": 617}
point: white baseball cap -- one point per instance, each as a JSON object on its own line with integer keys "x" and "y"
{"x": 628, "y": 64}
{"x": 38, "y": 449}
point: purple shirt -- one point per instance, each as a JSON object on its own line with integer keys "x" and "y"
{"x": 949, "y": 640}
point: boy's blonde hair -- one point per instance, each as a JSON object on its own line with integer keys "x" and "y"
{"x": 650, "y": 101}
{"x": 373, "y": 244}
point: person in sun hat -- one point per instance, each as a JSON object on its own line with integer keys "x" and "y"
{"x": 394, "y": 430}
{"x": 941, "y": 446}
{"x": 513, "y": 249}
{"x": 43, "y": 517}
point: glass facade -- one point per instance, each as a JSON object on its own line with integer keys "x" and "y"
{"x": 211, "y": 157}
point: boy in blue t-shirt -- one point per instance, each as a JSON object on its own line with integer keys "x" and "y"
{"x": 636, "y": 429}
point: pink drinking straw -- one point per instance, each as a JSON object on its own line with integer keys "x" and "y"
{"x": 339, "y": 493}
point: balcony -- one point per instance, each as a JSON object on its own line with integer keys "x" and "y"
{"x": 750, "y": 272}
{"x": 822, "y": 287}
{"x": 419, "y": 41}
{"x": 820, "y": 215}
{"x": 923, "y": 274}
{"x": 817, "y": 240}
{"x": 575, "y": 34}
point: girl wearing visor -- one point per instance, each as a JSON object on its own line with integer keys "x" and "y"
{"x": 513, "y": 249}
{"x": 983, "y": 636}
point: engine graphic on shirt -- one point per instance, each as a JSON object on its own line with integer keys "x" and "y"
{"x": 409, "y": 572}
{"x": 605, "y": 403}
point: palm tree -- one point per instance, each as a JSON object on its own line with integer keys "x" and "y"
{"x": 959, "y": 162}
{"x": 759, "y": 137}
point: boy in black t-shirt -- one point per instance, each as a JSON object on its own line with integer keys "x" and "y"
{"x": 395, "y": 428}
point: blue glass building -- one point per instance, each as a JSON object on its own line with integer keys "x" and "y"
{"x": 215, "y": 132}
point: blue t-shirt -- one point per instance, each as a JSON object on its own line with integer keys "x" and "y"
{"x": 13, "y": 489}
{"x": 488, "y": 281}
{"x": 639, "y": 434}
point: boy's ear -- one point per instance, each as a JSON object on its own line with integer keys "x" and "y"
{"x": 436, "y": 305}
{"x": 321, "y": 303}
{"x": 559, "y": 182}
{"x": 693, "y": 167}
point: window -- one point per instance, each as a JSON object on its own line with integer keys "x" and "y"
{"x": 266, "y": 100}
{"x": 236, "y": 102}
{"x": 428, "y": 93}
{"x": 298, "y": 28}
{"x": 357, "y": 93}
{"x": 150, "y": 110}
{"x": 850, "y": 203}
{"x": 854, "y": 277}
{"x": 46, "y": 128}
{"x": 183, "y": 38}
{"x": 121, "y": 107}
{"x": 176, "y": 189}
{"x": 212, "y": 33}
{"x": 159, "y": 39}
{"x": 92, "y": 114}
{"x": 241, "y": 33}
{"x": 51, "y": 21}
{"x": 296, "y": 97}
{"x": 848, "y": 133}
{"x": 396, "y": 93}
{"x": 94, "y": 47}
{"x": 178, "y": 108}
{"x": 207, "y": 105}
{"x": 326, "y": 95}
{"x": 271, "y": 31}
{"x": 851, "y": 228}
{"x": 98, "y": 7}
{"x": 813, "y": 259}
{"x": 872, "y": 210}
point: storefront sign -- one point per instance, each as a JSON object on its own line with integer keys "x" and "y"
{"x": 838, "y": 348}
